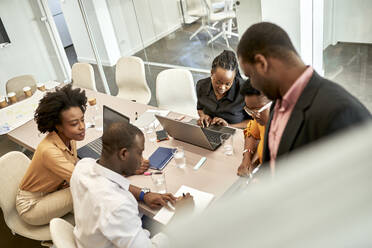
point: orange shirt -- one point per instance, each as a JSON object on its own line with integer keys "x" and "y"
{"x": 257, "y": 131}
{"x": 51, "y": 165}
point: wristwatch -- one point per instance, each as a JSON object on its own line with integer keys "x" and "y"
{"x": 144, "y": 191}
{"x": 248, "y": 150}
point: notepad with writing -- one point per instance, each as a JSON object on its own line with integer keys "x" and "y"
{"x": 160, "y": 158}
{"x": 201, "y": 201}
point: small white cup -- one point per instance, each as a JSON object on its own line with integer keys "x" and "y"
{"x": 27, "y": 91}
{"x": 3, "y": 102}
{"x": 40, "y": 86}
{"x": 12, "y": 97}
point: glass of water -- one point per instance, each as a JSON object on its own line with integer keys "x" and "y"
{"x": 158, "y": 179}
{"x": 150, "y": 132}
{"x": 227, "y": 144}
{"x": 179, "y": 156}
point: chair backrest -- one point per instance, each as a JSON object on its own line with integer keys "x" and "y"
{"x": 13, "y": 166}
{"x": 131, "y": 79}
{"x": 83, "y": 76}
{"x": 17, "y": 84}
{"x": 62, "y": 233}
{"x": 175, "y": 87}
{"x": 130, "y": 73}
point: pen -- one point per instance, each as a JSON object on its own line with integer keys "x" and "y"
{"x": 149, "y": 173}
{"x": 136, "y": 116}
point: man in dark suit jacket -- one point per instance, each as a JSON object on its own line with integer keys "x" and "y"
{"x": 306, "y": 107}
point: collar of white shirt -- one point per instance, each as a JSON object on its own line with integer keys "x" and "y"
{"x": 112, "y": 176}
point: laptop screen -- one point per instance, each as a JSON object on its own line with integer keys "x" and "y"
{"x": 111, "y": 116}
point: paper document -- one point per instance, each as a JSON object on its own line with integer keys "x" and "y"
{"x": 19, "y": 113}
{"x": 201, "y": 200}
{"x": 148, "y": 117}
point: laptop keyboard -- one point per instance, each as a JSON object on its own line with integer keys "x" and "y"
{"x": 96, "y": 145}
{"x": 213, "y": 137}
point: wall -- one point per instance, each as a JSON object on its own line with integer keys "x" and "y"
{"x": 328, "y": 23}
{"x": 285, "y": 13}
{"x": 156, "y": 19}
{"x": 248, "y": 13}
{"x": 31, "y": 51}
{"x": 353, "y": 21}
{"x": 114, "y": 26}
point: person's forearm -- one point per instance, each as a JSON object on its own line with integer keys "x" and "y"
{"x": 200, "y": 113}
{"x": 250, "y": 145}
{"x": 135, "y": 191}
{"x": 241, "y": 125}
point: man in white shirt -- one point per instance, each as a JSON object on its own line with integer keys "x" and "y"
{"x": 106, "y": 213}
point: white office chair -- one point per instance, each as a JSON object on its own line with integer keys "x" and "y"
{"x": 175, "y": 91}
{"x": 62, "y": 233}
{"x": 83, "y": 76}
{"x": 17, "y": 84}
{"x": 13, "y": 166}
{"x": 196, "y": 8}
{"x": 218, "y": 5}
{"x": 225, "y": 17}
{"x": 131, "y": 80}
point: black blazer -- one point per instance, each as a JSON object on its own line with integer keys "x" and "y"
{"x": 322, "y": 109}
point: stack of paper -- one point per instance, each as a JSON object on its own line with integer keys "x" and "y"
{"x": 148, "y": 118}
{"x": 201, "y": 200}
{"x": 19, "y": 113}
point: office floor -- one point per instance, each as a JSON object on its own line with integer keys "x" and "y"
{"x": 347, "y": 64}
{"x": 350, "y": 65}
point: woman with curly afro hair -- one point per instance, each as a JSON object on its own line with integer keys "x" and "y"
{"x": 44, "y": 193}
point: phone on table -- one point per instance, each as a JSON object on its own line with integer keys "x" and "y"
{"x": 161, "y": 135}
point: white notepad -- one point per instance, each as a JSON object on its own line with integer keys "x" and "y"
{"x": 201, "y": 200}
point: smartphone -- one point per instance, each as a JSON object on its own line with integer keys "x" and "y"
{"x": 161, "y": 135}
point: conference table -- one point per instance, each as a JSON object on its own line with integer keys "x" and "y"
{"x": 216, "y": 175}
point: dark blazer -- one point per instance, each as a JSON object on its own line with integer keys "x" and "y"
{"x": 322, "y": 109}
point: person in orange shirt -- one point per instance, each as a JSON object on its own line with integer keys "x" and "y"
{"x": 44, "y": 191}
{"x": 258, "y": 107}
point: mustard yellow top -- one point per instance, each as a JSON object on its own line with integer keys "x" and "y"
{"x": 51, "y": 165}
{"x": 257, "y": 131}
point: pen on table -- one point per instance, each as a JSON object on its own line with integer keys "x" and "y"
{"x": 149, "y": 173}
{"x": 136, "y": 116}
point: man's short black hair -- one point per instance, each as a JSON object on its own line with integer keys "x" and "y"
{"x": 119, "y": 135}
{"x": 48, "y": 113}
{"x": 248, "y": 90}
{"x": 267, "y": 39}
{"x": 226, "y": 60}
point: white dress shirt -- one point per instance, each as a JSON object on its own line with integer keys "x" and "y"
{"x": 106, "y": 213}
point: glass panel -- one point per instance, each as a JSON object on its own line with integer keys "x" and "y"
{"x": 172, "y": 34}
{"x": 31, "y": 50}
{"x": 167, "y": 34}
{"x": 348, "y": 46}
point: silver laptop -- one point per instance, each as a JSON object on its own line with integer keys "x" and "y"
{"x": 94, "y": 148}
{"x": 190, "y": 133}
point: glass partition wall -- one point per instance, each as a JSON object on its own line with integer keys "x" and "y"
{"x": 163, "y": 33}
{"x": 48, "y": 36}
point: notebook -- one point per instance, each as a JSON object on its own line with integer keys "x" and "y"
{"x": 160, "y": 158}
{"x": 201, "y": 201}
